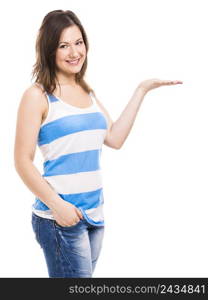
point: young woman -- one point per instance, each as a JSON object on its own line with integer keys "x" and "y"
{"x": 62, "y": 114}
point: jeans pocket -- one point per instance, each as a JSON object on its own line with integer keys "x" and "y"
{"x": 67, "y": 227}
{"x": 36, "y": 227}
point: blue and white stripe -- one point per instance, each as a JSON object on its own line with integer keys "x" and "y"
{"x": 70, "y": 140}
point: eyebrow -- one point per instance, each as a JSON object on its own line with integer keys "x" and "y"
{"x": 68, "y": 42}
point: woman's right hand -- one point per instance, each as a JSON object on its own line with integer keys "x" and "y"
{"x": 66, "y": 214}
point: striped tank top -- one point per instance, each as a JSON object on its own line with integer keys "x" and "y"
{"x": 70, "y": 140}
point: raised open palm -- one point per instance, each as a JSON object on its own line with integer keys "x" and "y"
{"x": 153, "y": 83}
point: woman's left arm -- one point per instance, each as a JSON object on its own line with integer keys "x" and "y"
{"x": 119, "y": 130}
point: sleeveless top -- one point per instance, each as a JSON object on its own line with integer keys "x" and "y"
{"x": 70, "y": 140}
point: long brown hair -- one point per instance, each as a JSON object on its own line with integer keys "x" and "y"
{"x": 46, "y": 45}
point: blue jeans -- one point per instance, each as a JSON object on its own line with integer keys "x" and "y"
{"x": 70, "y": 251}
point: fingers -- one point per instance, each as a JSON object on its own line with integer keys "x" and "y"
{"x": 172, "y": 82}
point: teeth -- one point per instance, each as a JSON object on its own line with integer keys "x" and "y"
{"x": 73, "y": 62}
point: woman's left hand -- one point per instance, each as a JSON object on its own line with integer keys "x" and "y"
{"x": 154, "y": 83}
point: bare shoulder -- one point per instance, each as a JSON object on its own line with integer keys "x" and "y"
{"x": 99, "y": 103}
{"x": 34, "y": 96}
{"x": 104, "y": 110}
{"x": 97, "y": 100}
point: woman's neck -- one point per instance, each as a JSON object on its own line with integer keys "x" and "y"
{"x": 63, "y": 80}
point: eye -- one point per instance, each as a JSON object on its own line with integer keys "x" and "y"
{"x": 63, "y": 46}
{"x": 80, "y": 42}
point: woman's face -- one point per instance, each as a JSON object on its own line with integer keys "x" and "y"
{"x": 71, "y": 51}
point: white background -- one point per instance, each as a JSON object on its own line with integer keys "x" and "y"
{"x": 155, "y": 186}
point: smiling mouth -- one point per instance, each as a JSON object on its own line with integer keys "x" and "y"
{"x": 73, "y": 62}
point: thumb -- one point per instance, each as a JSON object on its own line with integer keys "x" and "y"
{"x": 79, "y": 213}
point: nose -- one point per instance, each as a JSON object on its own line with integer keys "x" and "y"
{"x": 73, "y": 53}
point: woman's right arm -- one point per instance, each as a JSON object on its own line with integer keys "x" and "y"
{"x": 30, "y": 112}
